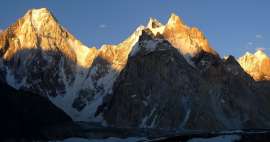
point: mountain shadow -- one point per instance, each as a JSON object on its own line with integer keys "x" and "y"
{"x": 25, "y": 115}
{"x": 29, "y": 111}
{"x": 53, "y": 74}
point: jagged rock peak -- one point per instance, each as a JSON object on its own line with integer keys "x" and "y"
{"x": 175, "y": 20}
{"x": 190, "y": 41}
{"x": 154, "y": 23}
{"x": 155, "y": 26}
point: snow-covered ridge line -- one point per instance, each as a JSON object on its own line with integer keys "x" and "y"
{"x": 81, "y": 87}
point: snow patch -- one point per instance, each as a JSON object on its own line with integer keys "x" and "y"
{"x": 145, "y": 119}
{"x": 108, "y": 80}
{"x": 151, "y": 44}
{"x": 153, "y": 122}
{"x": 80, "y": 50}
{"x": 66, "y": 100}
{"x": 88, "y": 113}
{"x": 11, "y": 80}
{"x": 186, "y": 118}
{"x": 38, "y": 17}
{"x": 187, "y": 109}
{"x": 135, "y": 49}
{"x": 155, "y": 26}
{"x": 148, "y": 45}
{"x": 159, "y": 30}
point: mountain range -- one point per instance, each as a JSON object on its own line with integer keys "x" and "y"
{"x": 163, "y": 76}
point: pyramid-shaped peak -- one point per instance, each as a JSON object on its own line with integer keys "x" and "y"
{"x": 39, "y": 17}
{"x": 154, "y": 23}
{"x": 174, "y": 19}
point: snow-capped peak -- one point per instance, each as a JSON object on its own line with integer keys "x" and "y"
{"x": 260, "y": 54}
{"x": 189, "y": 41}
{"x": 39, "y": 17}
{"x": 256, "y": 65}
{"x": 38, "y": 28}
{"x": 175, "y": 20}
{"x": 40, "y": 11}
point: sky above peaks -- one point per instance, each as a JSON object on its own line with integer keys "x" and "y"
{"x": 232, "y": 27}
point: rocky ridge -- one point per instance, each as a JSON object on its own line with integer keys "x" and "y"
{"x": 162, "y": 76}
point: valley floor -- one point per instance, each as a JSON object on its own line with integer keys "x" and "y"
{"x": 94, "y": 133}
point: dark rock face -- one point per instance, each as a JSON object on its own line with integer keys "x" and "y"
{"x": 24, "y": 114}
{"x": 230, "y": 95}
{"x": 153, "y": 90}
{"x": 159, "y": 89}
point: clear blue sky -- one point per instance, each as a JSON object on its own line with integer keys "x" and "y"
{"x": 232, "y": 26}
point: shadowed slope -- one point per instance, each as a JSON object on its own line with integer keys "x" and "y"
{"x": 25, "y": 115}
